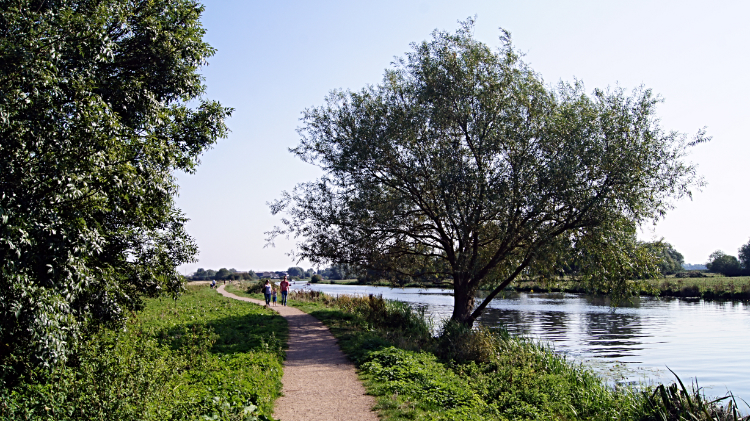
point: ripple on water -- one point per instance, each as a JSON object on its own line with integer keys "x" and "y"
{"x": 637, "y": 341}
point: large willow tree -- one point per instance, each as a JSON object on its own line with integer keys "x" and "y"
{"x": 100, "y": 103}
{"x": 463, "y": 166}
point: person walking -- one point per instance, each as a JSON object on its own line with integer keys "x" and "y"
{"x": 284, "y": 285}
{"x": 274, "y": 297}
{"x": 267, "y": 291}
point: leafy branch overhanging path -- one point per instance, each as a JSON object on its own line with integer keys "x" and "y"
{"x": 319, "y": 382}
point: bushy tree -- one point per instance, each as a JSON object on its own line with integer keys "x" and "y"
{"x": 744, "y": 256}
{"x": 101, "y": 104}
{"x": 670, "y": 260}
{"x": 223, "y": 273}
{"x": 297, "y": 272}
{"x": 463, "y": 165}
{"x": 720, "y": 262}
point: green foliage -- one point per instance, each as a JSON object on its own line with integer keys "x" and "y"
{"x": 223, "y": 273}
{"x": 316, "y": 278}
{"x": 463, "y": 165}
{"x": 297, "y": 272}
{"x": 420, "y": 377}
{"x": 684, "y": 284}
{"x": 462, "y": 374}
{"x": 744, "y": 256}
{"x": 670, "y": 260}
{"x": 719, "y": 262}
{"x": 676, "y": 403}
{"x": 101, "y": 104}
{"x": 690, "y": 274}
{"x": 202, "y": 357}
{"x": 257, "y": 287}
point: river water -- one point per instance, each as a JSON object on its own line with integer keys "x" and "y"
{"x": 636, "y": 342}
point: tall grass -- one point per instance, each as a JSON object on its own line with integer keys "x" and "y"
{"x": 480, "y": 374}
{"x": 709, "y": 287}
{"x": 676, "y": 402}
{"x": 200, "y": 357}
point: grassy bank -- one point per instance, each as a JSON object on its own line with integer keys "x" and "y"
{"x": 710, "y": 287}
{"x": 200, "y": 357}
{"x": 463, "y": 375}
{"x": 482, "y": 374}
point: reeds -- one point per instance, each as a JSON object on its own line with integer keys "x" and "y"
{"x": 676, "y": 403}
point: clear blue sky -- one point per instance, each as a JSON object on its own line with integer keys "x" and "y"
{"x": 277, "y": 58}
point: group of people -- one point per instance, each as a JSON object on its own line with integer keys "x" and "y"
{"x": 270, "y": 291}
{"x": 213, "y": 283}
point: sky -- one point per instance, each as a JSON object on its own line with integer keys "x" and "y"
{"x": 276, "y": 58}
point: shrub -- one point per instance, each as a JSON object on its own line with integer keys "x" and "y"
{"x": 419, "y": 376}
{"x": 675, "y": 403}
{"x": 462, "y": 344}
{"x": 257, "y": 287}
{"x": 200, "y": 357}
{"x": 316, "y": 278}
{"x": 691, "y": 274}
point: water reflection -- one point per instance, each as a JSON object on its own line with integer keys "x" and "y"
{"x": 695, "y": 338}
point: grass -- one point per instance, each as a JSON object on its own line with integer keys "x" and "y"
{"x": 710, "y": 287}
{"x": 201, "y": 357}
{"x": 483, "y": 374}
{"x": 463, "y": 375}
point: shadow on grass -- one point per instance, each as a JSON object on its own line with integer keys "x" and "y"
{"x": 355, "y": 342}
{"x": 229, "y": 334}
{"x": 248, "y": 332}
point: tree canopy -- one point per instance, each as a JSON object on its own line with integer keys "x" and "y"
{"x": 296, "y": 271}
{"x": 670, "y": 260}
{"x": 720, "y": 262}
{"x": 744, "y": 256}
{"x": 101, "y": 103}
{"x": 462, "y": 165}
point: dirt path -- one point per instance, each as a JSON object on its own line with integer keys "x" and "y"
{"x": 320, "y": 383}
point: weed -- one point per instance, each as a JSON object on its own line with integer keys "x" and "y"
{"x": 461, "y": 374}
{"x": 675, "y": 403}
{"x": 200, "y": 357}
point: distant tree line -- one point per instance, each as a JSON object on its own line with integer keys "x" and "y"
{"x": 720, "y": 262}
{"x": 335, "y": 272}
{"x": 298, "y": 272}
{"x": 670, "y": 262}
{"x": 222, "y": 274}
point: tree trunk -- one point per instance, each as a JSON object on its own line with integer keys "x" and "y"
{"x": 463, "y": 307}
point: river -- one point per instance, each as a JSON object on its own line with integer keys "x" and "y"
{"x": 636, "y": 342}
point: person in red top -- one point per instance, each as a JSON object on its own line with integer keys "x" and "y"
{"x": 284, "y": 286}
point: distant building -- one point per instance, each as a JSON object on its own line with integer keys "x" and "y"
{"x": 690, "y": 266}
{"x": 267, "y": 275}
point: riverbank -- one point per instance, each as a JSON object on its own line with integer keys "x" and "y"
{"x": 468, "y": 375}
{"x": 202, "y": 356}
{"x": 706, "y": 286}
{"x": 319, "y": 382}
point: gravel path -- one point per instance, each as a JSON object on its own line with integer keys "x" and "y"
{"x": 320, "y": 383}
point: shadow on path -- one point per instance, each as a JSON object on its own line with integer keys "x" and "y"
{"x": 320, "y": 383}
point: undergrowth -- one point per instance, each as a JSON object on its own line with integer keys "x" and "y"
{"x": 482, "y": 374}
{"x": 202, "y": 357}
{"x": 703, "y": 286}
